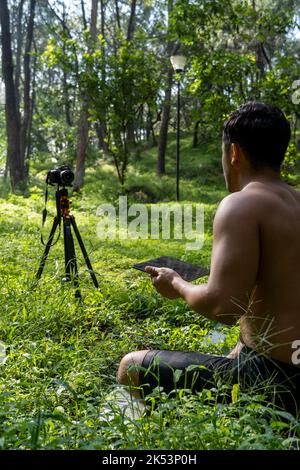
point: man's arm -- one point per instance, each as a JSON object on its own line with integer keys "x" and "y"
{"x": 234, "y": 266}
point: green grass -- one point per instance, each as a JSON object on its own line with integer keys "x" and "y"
{"x": 58, "y": 377}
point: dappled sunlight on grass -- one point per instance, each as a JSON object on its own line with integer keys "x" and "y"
{"x": 57, "y": 383}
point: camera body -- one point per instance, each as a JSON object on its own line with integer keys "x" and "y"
{"x": 62, "y": 176}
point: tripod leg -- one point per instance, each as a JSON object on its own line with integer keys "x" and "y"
{"x": 84, "y": 252}
{"x": 70, "y": 258}
{"x": 47, "y": 249}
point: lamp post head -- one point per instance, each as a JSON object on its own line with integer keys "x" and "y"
{"x": 178, "y": 62}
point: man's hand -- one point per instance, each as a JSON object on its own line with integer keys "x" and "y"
{"x": 163, "y": 281}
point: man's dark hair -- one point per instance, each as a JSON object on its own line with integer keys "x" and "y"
{"x": 262, "y": 131}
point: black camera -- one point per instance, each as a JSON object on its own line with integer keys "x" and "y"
{"x": 63, "y": 176}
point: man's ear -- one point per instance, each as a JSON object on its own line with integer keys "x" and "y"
{"x": 235, "y": 154}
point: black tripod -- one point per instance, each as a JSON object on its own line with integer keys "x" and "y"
{"x": 63, "y": 212}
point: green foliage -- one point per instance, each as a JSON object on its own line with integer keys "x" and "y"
{"x": 130, "y": 82}
{"x": 289, "y": 166}
{"x": 238, "y": 53}
{"x": 57, "y": 379}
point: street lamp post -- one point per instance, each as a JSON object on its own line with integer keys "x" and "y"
{"x": 178, "y": 63}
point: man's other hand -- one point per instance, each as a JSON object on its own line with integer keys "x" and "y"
{"x": 163, "y": 279}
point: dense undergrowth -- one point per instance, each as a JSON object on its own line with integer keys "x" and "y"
{"x": 57, "y": 379}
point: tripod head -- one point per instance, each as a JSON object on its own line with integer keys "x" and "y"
{"x": 62, "y": 203}
{"x": 62, "y": 206}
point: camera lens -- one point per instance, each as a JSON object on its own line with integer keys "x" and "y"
{"x": 67, "y": 176}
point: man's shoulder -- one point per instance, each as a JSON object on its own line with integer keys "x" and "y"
{"x": 249, "y": 207}
{"x": 241, "y": 202}
{"x": 237, "y": 210}
{"x": 260, "y": 197}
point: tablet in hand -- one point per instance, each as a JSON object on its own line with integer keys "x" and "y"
{"x": 188, "y": 271}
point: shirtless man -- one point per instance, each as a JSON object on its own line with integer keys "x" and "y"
{"x": 255, "y": 270}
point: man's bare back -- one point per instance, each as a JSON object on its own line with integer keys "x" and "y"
{"x": 272, "y": 321}
{"x": 255, "y": 268}
{"x": 255, "y": 271}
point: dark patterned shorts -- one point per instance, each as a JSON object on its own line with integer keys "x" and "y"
{"x": 173, "y": 370}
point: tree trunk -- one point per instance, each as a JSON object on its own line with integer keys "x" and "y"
{"x": 15, "y": 164}
{"x": 67, "y": 104}
{"x": 84, "y": 124}
{"x": 118, "y": 14}
{"x": 260, "y": 62}
{"x": 101, "y": 127}
{"x": 26, "y": 121}
{"x": 195, "y": 138}
{"x": 94, "y": 14}
{"x": 130, "y": 32}
{"x": 101, "y": 134}
{"x": 259, "y": 55}
{"x": 131, "y": 23}
{"x": 83, "y": 14}
{"x": 163, "y": 133}
{"x": 67, "y": 34}
{"x": 18, "y": 52}
{"x": 150, "y": 130}
{"x": 33, "y": 94}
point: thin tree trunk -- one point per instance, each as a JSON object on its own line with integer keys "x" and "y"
{"x": 33, "y": 94}
{"x": 259, "y": 55}
{"x": 118, "y": 14}
{"x": 94, "y": 14}
{"x": 130, "y": 32}
{"x": 163, "y": 133}
{"x": 67, "y": 34}
{"x": 18, "y": 52}
{"x": 67, "y": 105}
{"x": 101, "y": 134}
{"x": 195, "y": 137}
{"x": 25, "y": 125}
{"x": 154, "y": 141}
{"x": 84, "y": 124}
{"x": 131, "y": 23}
{"x": 15, "y": 164}
{"x": 260, "y": 61}
{"x": 101, "y": 127}
{"x": 150, "y": 126}
{"x": 125, "y": 155}
{"x": 83, "y": 14}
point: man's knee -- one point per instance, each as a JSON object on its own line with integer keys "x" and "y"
{"x": 128, "y": 372}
